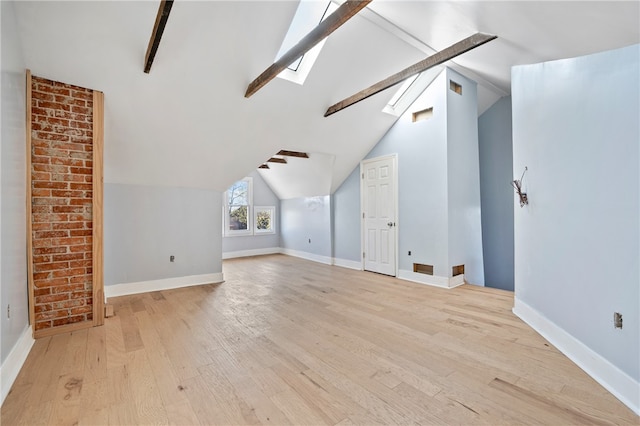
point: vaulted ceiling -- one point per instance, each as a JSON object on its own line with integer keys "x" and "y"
{"x": 187, "y": 123}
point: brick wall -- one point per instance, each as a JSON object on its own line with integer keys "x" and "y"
{"x": 61, "y": 199}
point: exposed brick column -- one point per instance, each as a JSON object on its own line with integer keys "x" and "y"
{"x": 61, "y": 199}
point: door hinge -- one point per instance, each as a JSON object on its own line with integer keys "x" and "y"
{"x": 362, "y": 175}
{"x": 363, "y": 215}
{"x": 363, "y": 255}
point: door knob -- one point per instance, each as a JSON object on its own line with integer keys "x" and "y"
{"x": 390, "y": 224}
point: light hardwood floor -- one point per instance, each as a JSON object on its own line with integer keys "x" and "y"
{"x": 287, "y": 341}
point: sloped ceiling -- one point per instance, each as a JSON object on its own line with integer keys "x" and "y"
{"x": 188, "y": 124}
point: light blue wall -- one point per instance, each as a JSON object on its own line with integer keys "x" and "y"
{"x": 13, "y": 259}
{"x": 575, "y": 126}
{"x": 305, "y": 219}
{"x": 144, "y": 225}
{"x": 422, "y": 181}
{"x": 262, "y": 196}
{"x": 346, "y": 219}
{"x": 463, "y": 179}
{"x": 497, "y": 195}
{"x": 436, "y": 176}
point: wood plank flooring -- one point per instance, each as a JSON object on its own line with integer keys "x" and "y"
{"x": 287, "y": 341}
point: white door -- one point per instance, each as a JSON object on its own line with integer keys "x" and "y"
{"x": 379, "y": 215}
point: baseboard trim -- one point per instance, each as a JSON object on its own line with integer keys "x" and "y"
{"x": 456, "y": 281}
{"x": 432, "y": 280}
{"x": 308, "y": 256}
{"x": 252, "y": 252}
{"x": 15, "y": 360}
{"x": 163, "y": 284}
{"x": 351, "y": 264}
{"x": 621, "y": 385}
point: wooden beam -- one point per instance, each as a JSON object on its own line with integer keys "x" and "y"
{"x": 293, "y": 153}
{"x": 438, "y": 58}
{"x": 341, "y": 15}
{"x": 161, "y": 21}
{"x": 263, "y": 166}
{"x": 277, "y": 160}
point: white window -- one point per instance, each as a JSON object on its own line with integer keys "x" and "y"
{"x": 238, "y": 208}
{"x": 264, "y": 220}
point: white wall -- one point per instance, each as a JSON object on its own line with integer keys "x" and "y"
{"x": 575, "y": 126}
{"x": 497, "y": 196}
{"x": 463, "y": 179}
{"x": 306, "y": 227}
{"x": 145, "y": 225}
{"x": 262, "y": 196}
{"x": 15, "y": 333}
{"x": 13, "y": 264}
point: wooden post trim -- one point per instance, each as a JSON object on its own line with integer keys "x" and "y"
{"x": 97, "y": 208}
{"x": 52, "y": 331}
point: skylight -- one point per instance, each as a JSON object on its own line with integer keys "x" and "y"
{"x": 402, "y": 90}
{"x": 409, "y": 91}
{"x": 308, "y": 15}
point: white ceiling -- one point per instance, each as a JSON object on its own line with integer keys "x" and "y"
{"x": 188, "y": 124}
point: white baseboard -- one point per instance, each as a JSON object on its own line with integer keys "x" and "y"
{"x": 456, "y": 281}
{"x": 163, "y": 284}
{"x": 433, "y": 280}
{"x": 253, "y": 252}
{"x": 621, "y": 385}
{"x": 308, "y": 256}
{"x": 14, "y": 361}
{"x": 351, "y": 264}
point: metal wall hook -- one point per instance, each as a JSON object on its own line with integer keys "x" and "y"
{"x": 517, "y": 184}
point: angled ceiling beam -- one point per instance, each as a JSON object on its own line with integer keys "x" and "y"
{"x": 293, "y": 153}
{"x": 438, "y": 58}
{"x": 341, "y": 15}
{"x": 263, "y": 166}
{"x": 277, "y": 160}
{"x": 156, "y": 35}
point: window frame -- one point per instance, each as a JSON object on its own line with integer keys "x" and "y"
{"x": 256, "y": 210}
{"x": 226, "y": 223}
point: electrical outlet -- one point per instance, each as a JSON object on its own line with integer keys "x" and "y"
{"x": 409, "y": 253}
{"x": 617, "y": 320}
{"x": 172, "y": 258}
{"x": 309, "y": 240}
{"x": 9, "y": 311}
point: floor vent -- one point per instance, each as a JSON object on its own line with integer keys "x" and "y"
{"x": 423, "y": 269}
{"x": 458, "y": 270}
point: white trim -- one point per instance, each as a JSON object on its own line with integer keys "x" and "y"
{"x": 456, "y": 281}
{"x": 15, "y": 360}
{"x": 616, "y": 381}
{"x": 351, "y": 264}
{"x": 163, "y": 284}
{"x": 308, "y": 256}
{"x": 433, "y": 280}
{"x": 252, "y": 252}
